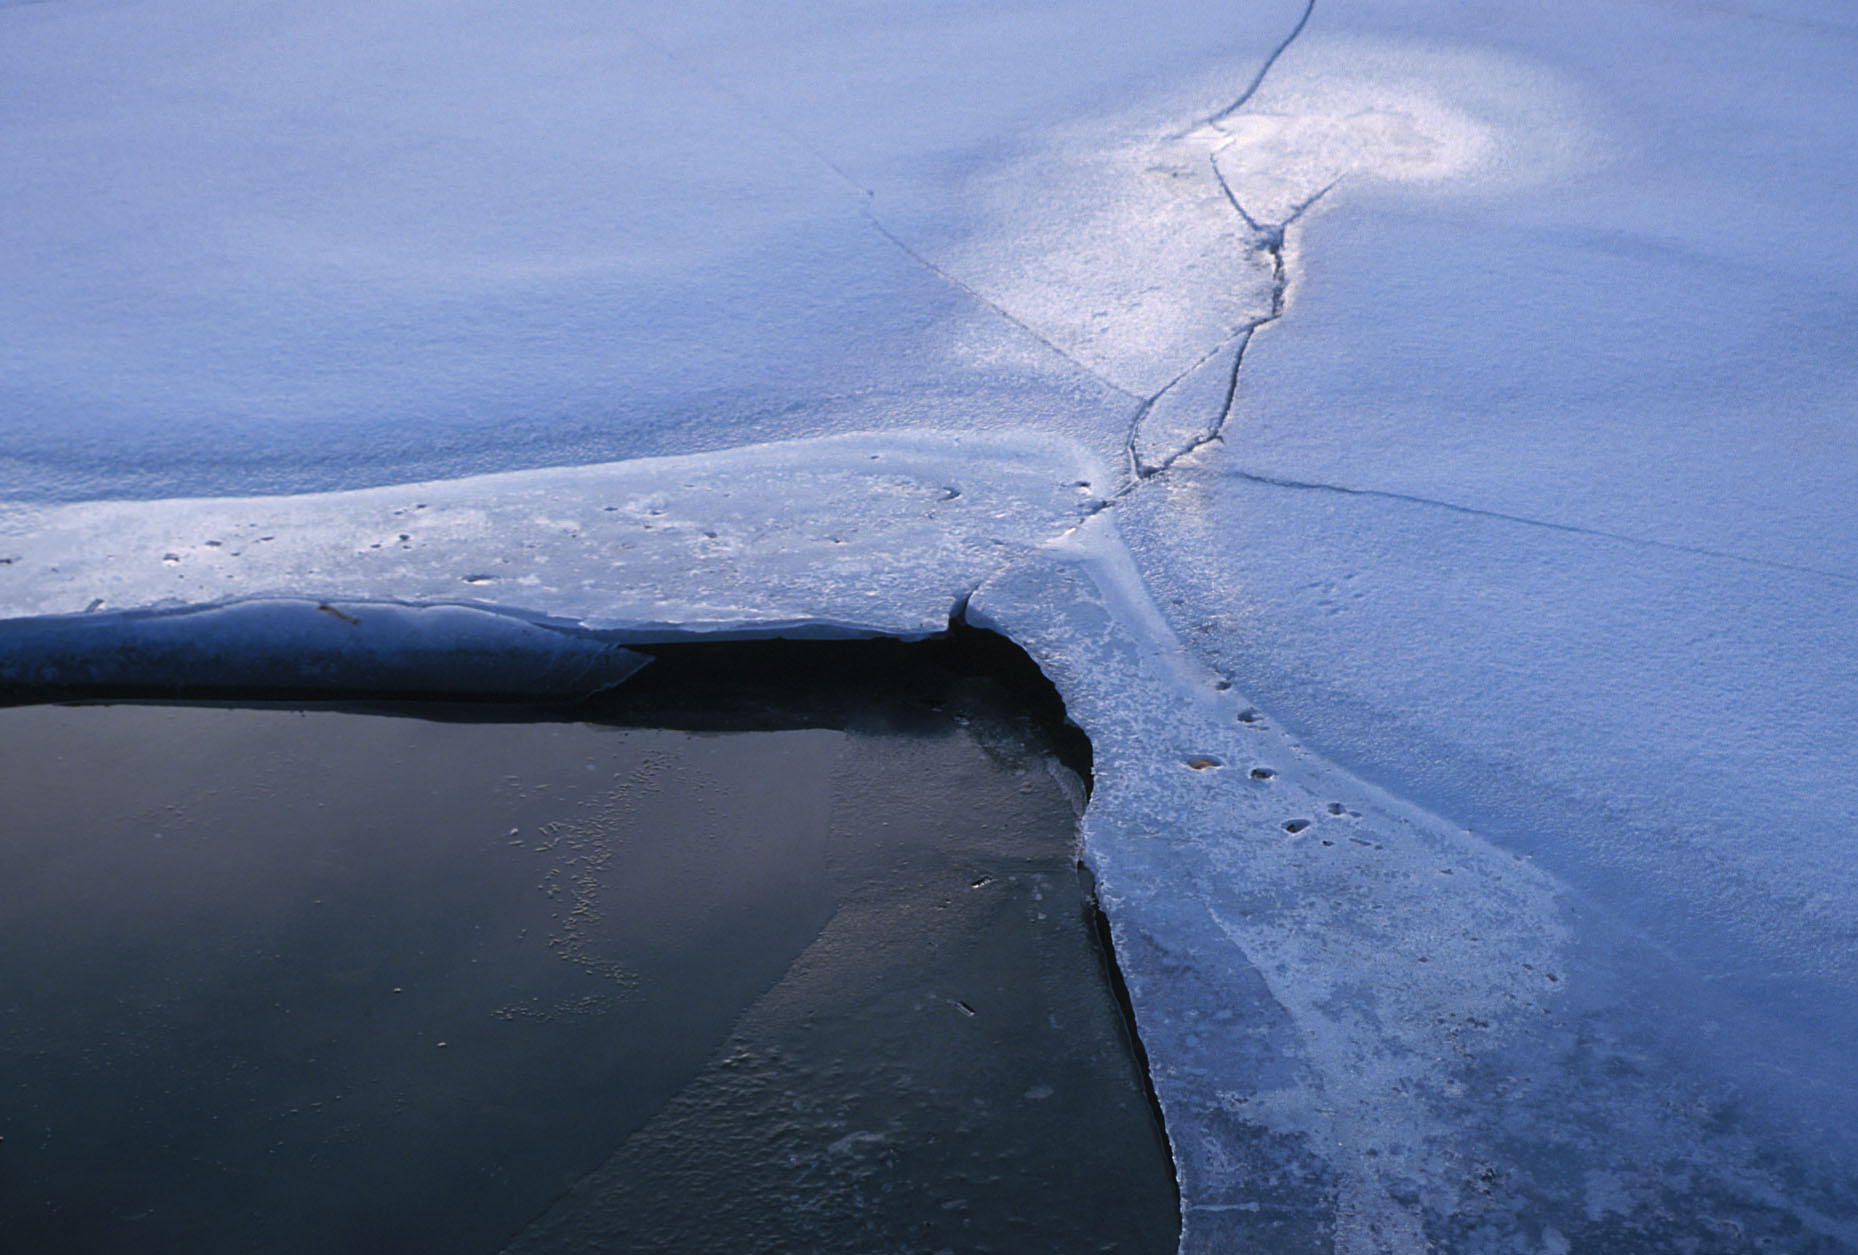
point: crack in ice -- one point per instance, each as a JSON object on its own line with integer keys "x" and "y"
{"x": 1302, "y": 485}
{"x": 1245, "y": 96}
{"x": 999, "y": 310}
{"x": 1268, "y": 239}
{"x": 867, "y": 199}
{"x": 1271, "y": 244}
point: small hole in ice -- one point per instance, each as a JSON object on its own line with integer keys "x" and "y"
{"x": 1295, "y": 825}
{"x": 1262, "y": 773}
{"x": 1248, "y": 715}
{"x": 479, "y": 579}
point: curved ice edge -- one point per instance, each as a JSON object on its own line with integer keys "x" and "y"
{"x": 1303, "y": 953}
{"x": 878, "y": 534}
{"x": 309, "y": 646}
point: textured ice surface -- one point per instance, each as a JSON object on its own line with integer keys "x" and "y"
{"x": 885, "y": 537}
{"x": 1249, "y": 884}
{"x": 1535, "y": 509}
{"x": 1475, "y": 397}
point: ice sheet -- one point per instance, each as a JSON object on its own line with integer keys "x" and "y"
{"x": 310, "y": 246}
{"x": 1473, "y": 392}
{"x": 1534, "y": 508}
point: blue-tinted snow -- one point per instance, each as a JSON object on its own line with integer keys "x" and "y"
{"x": 1519, "y": 914}
{"x": 1537, "y": 509}
{"x": 324, "y": 245}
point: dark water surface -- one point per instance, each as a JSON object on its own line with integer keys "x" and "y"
{"x": 719, "y": 964}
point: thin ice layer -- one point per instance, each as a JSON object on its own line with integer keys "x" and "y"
{"x": 883, "y": 536}
{"x": 1367, "y": 1026}
{"x": 1372, "y": 1029}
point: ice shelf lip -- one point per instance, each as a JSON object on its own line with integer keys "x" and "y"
{"x": 1331, "y": 984}
{"x": 306, "y": 648}
{"x": 879, "y": 535}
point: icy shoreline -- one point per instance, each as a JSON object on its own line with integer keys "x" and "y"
{"x": 848, "y": 537}
{"x": 1474, "y": 392}
{"x": 1321, "y": 975}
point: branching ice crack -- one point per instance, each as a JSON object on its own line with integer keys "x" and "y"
{"x": 1137, "y": 468}
{"x": 1268, "y": 240}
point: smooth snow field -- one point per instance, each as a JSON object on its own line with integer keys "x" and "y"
{"x": 1417, "y": 441}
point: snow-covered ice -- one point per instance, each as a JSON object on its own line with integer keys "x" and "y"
{"x": 1419, "y": 450}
